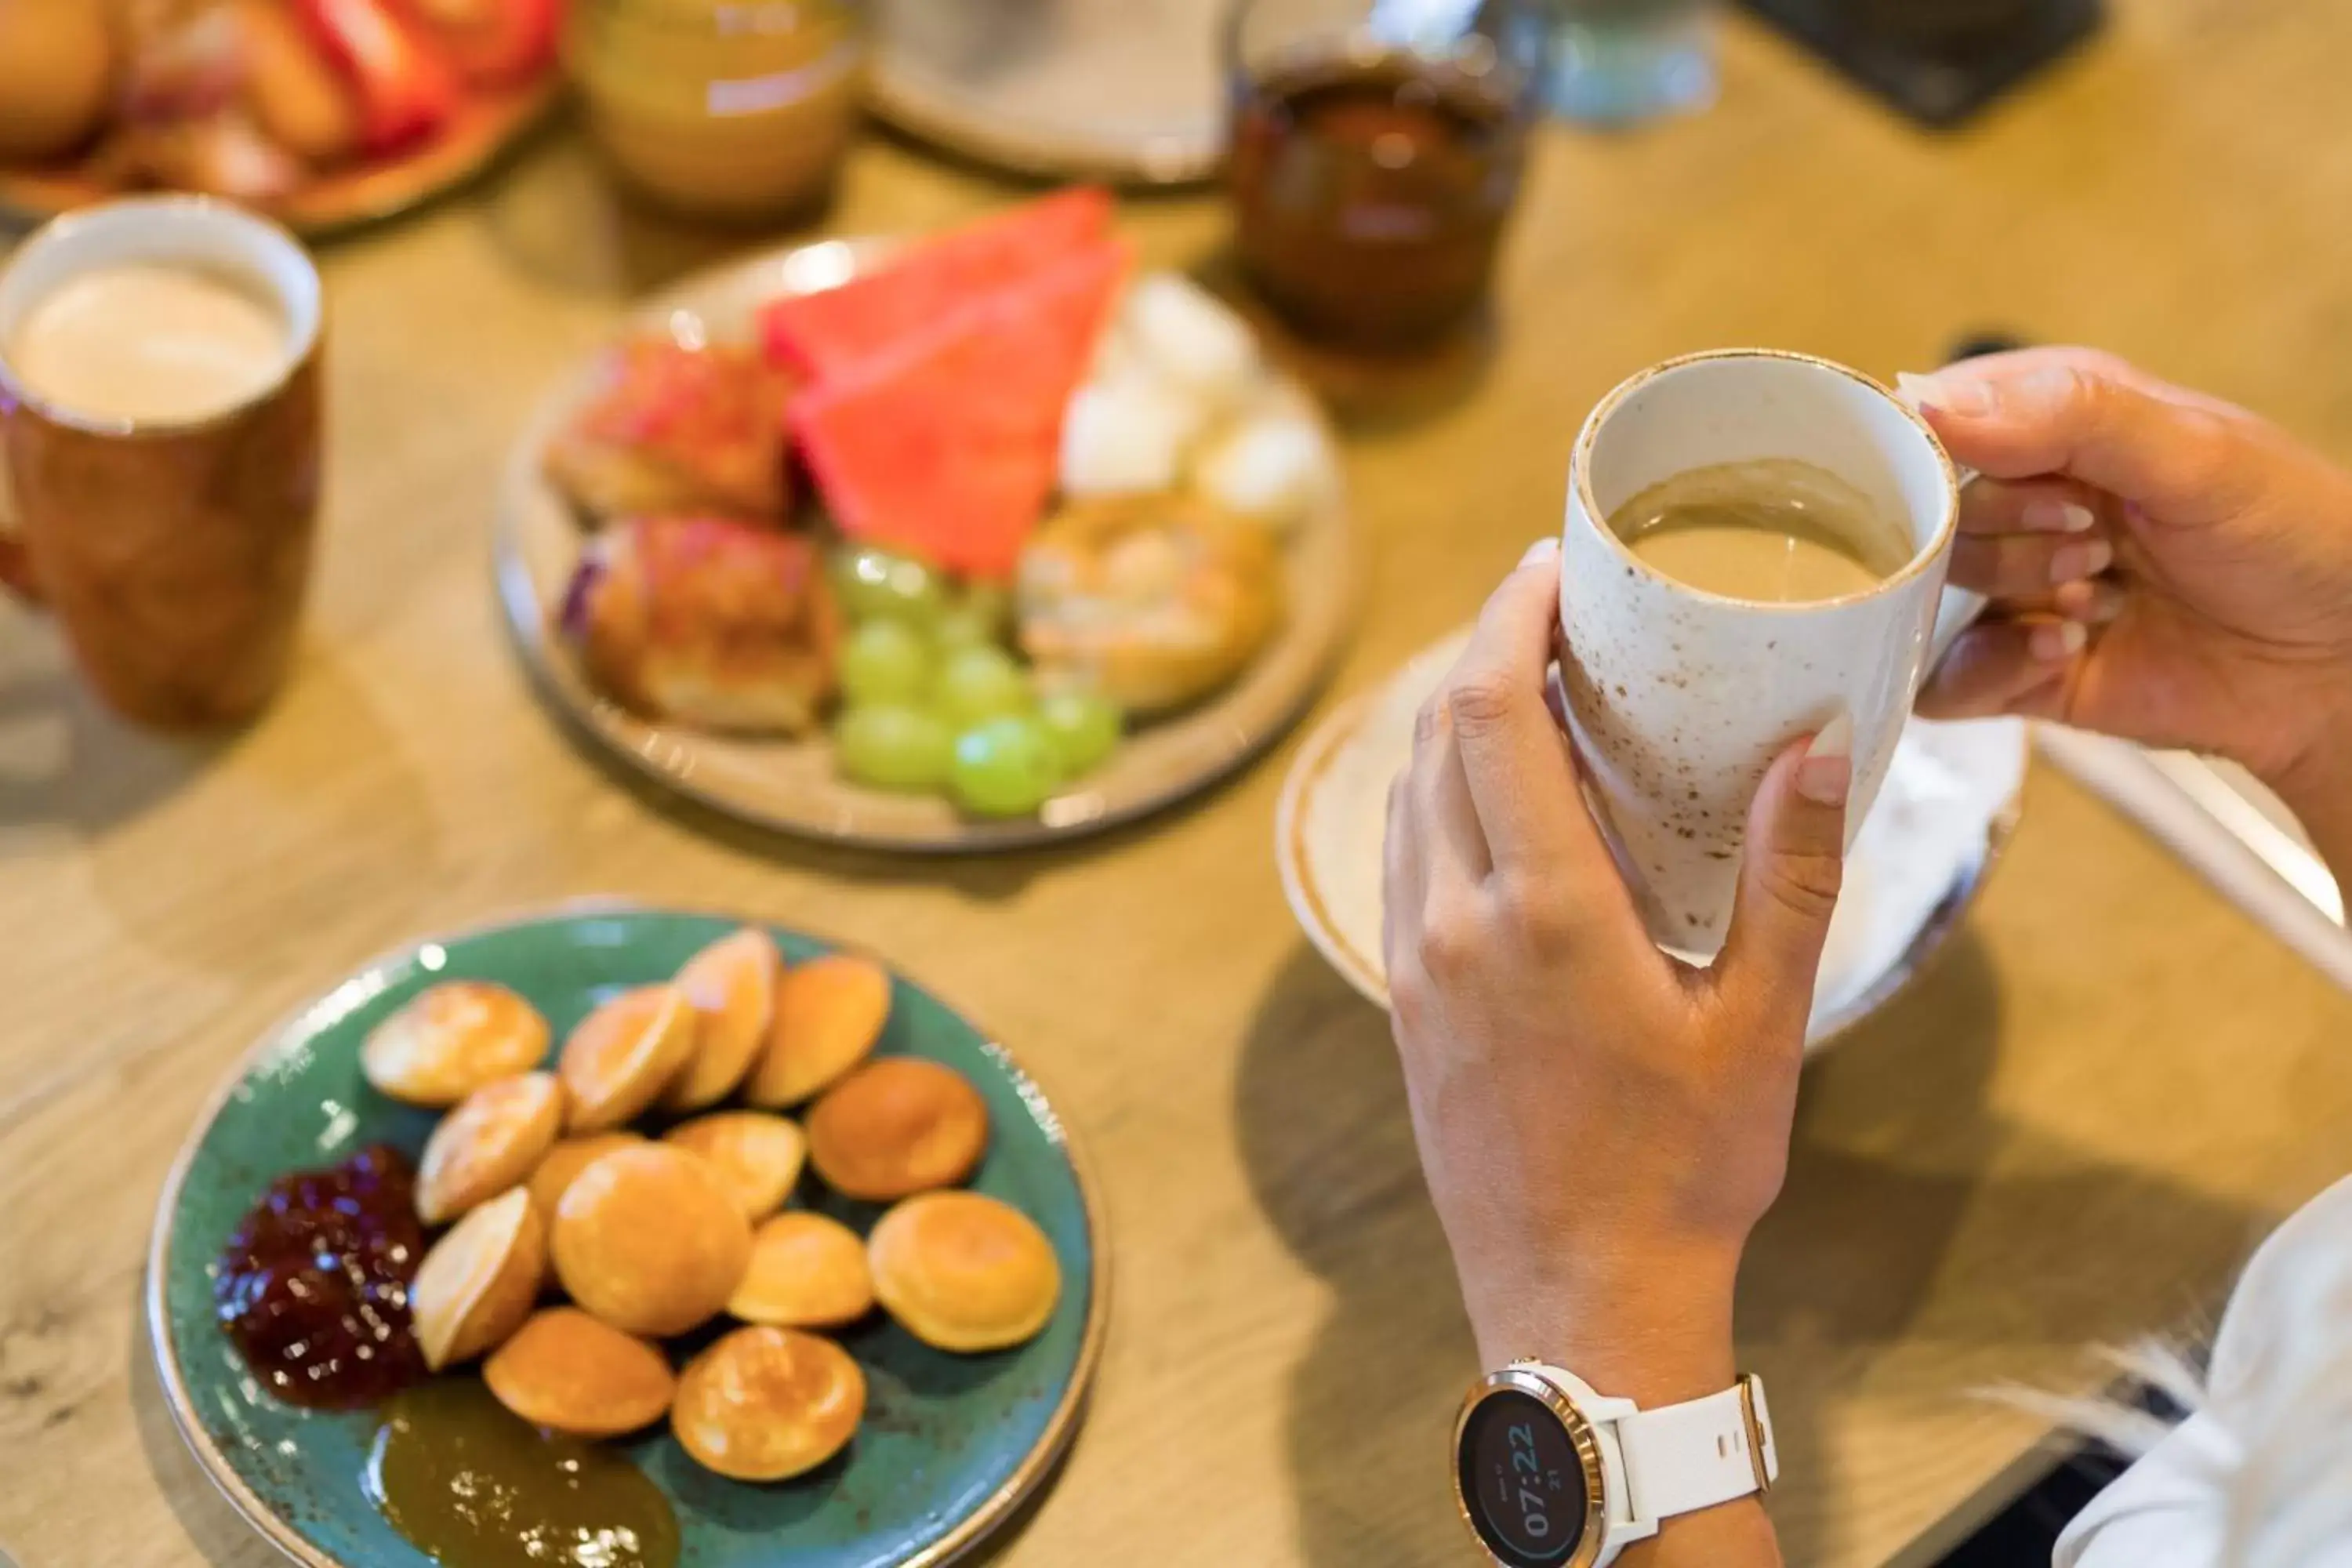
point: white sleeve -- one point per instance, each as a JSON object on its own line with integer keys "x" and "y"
{"x": 2165, "y": 1512}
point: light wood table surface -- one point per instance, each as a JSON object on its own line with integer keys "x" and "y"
{"x": 2070, "y": 1134}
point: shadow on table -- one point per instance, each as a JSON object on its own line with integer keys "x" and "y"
{"x": 561, "y": 218}
{"x": 71, "y": 762}
{"x": 128, "y": 795}
{"x": 1891, "y": 1210}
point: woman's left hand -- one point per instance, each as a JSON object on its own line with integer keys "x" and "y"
{"x": 1600, "y": 1125}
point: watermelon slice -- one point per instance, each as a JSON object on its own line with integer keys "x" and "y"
{"x": 946, "y": 448}
{"x": 824, "y": 333}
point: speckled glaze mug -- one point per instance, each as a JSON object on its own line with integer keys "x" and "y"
{"x": 1679, "y": 700}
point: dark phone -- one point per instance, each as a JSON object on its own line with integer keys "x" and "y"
{"x": 1936, "y": 61}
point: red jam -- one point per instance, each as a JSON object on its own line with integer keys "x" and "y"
{"x": 313, "y": 1285}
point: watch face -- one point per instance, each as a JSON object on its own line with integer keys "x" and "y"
{"x": 1522, "y": 1481}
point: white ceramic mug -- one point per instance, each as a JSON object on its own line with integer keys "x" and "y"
{"x": 1679, "y": 699}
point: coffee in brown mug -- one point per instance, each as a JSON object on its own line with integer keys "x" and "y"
{"x": 1769, "y": 529}
{"x": 160, "y": 449}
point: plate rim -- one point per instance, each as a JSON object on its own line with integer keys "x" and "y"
{"x": 1039, "y": 154}
{"x": 593, "y": 720}
{"x": 1324, "y": 742}
{"x": 511, "y": 114}
{"x": 991, "y": 1512}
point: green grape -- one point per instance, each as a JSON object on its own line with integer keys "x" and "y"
{"x": 980, "y": 683}
{"x": 959, "y": 628}
{"x": 885, "y": 661}
{"x": 1005, "y": 767}
{"x": 874, "y": 583}
{"x": 979, "y": 617}
{"x": 1084, "y": 728}
{"x": 893, "y": 746}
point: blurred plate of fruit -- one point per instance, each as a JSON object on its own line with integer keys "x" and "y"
{"x": 322, "y": 113}
{"x": 975, "y": 541}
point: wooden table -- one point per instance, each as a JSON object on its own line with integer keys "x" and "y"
{"x": 2069, "y": 1134}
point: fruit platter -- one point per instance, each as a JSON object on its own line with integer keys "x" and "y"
{"x": 320, "y": 113}
{"x": 632, "y": 1237}
{"x": 972, "y": 541}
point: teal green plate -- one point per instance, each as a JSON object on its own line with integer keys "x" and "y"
{"x": 951, "y": 1444}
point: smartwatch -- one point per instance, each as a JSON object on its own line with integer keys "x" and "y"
{"x": 1549, "y": 1474}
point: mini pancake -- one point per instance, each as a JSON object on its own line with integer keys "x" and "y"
{"x": 962, "y": 1271}
{"x": 762, "y": 1403}
{"x": 450, "y": 1040}
{"x": 898, "y": 1126}
{"x": 566, "y": 1370}
{"x": 493, "y": 1141}
{"x": 477, "y": 1284}
{"x": 808, "y": 1271}
{"x": 829, "y": 1012}
{"x": 651, "y": 1240}
{"x": 564, "y": 1163}
{"x": 621, "y": 1056}
{"x": 732, "y": 986}
{"x": 758, "y": 1155}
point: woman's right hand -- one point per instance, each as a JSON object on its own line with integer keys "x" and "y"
{"x": 2163, "y": 566}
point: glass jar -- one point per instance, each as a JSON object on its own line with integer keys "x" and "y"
{"x": 727, "y": 108}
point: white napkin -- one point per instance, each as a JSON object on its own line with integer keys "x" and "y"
{"x": 2133, "y": 780}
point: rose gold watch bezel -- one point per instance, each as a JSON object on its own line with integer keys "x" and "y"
{"x": 1582, "y": 1436}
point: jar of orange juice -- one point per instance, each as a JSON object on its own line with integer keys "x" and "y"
{"x": 726, "y": 109}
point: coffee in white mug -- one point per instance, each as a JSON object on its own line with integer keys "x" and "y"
{"x": 1771, "y": 530}
{"x": 1690, "y": 662}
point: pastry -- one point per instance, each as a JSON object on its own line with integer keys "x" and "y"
{"x": 566, "y": 1370}
{"x": 450, "y": 1040}
{"x": 720, "y": 624}
{"x": 651, "y": 1240}
{"x": 617, "y": 1060}
{"x": 674, "y": 428}
{"x": 57, "y": 68}
{"x": 762, "y": 1403}
{"x": 758, "y": 1156}
{"x": 829, "y": 1013}
{"x": 477, "y": 1284}
{"x": 807, "y": 1271}
{"x": 1153, "y": 600}
{"x": 961, "y": 1271}
{"x": 1272, "y": 468}
{"x": 493, "y": 1141}
{"x": 563, "y": 1162}
{"x": 732, "y": 986}
{"x": 897, "y": 1126}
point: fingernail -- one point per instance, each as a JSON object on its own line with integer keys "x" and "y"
{"x": 2095, "y": 604}
{"x": 1826, "y": 774}
{"x": 2085, "y": 558}
{"x": 2047, "y": 516}
{"x": 2055, "y": 640}
{"x": 1949, "y": 391}
{"x": 1548, "y": 546}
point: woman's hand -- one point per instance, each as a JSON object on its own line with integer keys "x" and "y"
{"x": 2164, "y": 566}
{"x": 1601, "y": 1126}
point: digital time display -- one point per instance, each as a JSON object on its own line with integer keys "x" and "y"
{"x": 1522, "y": 1481}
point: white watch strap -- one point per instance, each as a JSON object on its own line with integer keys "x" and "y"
{"x": 1698, "y": 1454}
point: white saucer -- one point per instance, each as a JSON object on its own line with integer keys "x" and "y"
{"x": 1948, "y": 804}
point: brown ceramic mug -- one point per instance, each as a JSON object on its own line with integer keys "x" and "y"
{"x": 174, "y": 550}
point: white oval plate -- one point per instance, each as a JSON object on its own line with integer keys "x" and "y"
{"x": 1949, "y": 802}
{"x": 1127, "y": 91}
{"x": 790, "y": 785}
